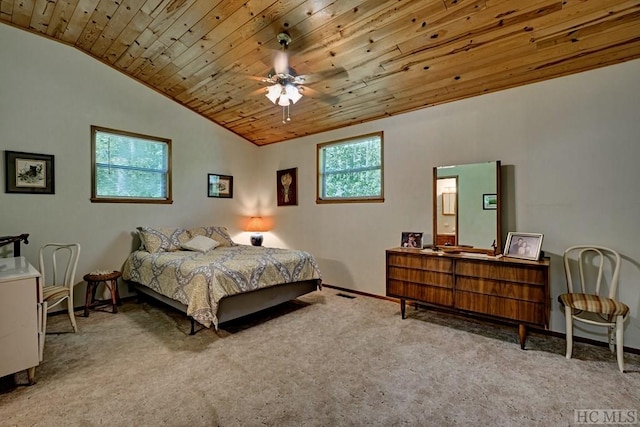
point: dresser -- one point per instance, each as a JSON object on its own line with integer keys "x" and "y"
{"x": 21, "y": 317}
{"x": 503, "y": 288}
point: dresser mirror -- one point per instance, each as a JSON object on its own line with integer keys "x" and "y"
{"x": 466, "y": 205}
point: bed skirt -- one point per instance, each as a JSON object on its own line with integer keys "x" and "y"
{"x": 239, "y": 305}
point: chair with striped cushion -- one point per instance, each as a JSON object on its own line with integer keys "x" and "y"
{"x": 597, "y": 269}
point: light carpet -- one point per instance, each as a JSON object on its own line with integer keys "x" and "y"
{"x": 322, "y": 360}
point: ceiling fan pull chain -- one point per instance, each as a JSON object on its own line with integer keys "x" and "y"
{"x": 286, "y": 118}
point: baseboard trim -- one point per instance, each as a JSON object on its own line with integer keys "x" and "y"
{"x": 471, "y": 316}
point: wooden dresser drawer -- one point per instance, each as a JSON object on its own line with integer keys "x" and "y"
{"x": 421, "y": 262}
{"x": 521, "y": 311}
{"x": 518, "y": 291}
{"x": 424, "y": 277}
{"x": 424, "y": 293}
{"x": 506, "y": 272}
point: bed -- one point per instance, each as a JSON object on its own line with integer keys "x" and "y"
{"x": 213, "y": 285}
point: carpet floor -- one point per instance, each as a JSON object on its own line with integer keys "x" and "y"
{"x": 322, "y": 360}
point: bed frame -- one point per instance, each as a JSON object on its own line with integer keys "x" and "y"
{"x": 239, "y": 305}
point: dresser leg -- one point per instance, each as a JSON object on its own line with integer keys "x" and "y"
{"x": 31, "y": 375}
{"x": 522, "y": 333}
{"x": 403, "y": 307}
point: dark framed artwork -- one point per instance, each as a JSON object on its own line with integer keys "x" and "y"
{"x": 219, "y": 185}
{"x": 489, "y": 201}
{"x": 29, "y": 173}
{"x": 287, "y": 187}
{"x": 411, "y": 239}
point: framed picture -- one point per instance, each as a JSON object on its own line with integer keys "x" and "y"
{"x": 219, "y": 185}
{"x": 29, "y": 173}
{"x": 489, "y": 201}
{"x": 411, "y": 239}
{"x": 287, "y": 187}
{"x": 523, "y": 245}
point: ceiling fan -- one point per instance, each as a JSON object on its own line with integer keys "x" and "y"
{"x": 286, "y": 85}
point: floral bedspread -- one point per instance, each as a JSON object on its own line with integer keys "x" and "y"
{"x": 201, "y": 280}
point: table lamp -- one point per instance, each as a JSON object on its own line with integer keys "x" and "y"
{"x": 256, "y": 224}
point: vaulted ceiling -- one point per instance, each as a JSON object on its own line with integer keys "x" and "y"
{"x": 360, "y": 59}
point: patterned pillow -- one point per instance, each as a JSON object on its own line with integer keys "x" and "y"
{"x": 163, "y": 239}
{"x": 200, "y": 244}
{"x": 218, "y": 234}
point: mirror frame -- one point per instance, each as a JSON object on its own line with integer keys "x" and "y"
{"x": 498, "y": 237}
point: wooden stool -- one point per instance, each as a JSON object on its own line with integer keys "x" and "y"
{"x": 111, "y": 282}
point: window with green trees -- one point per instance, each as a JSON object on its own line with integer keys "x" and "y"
{"x": 129, "y": 167}
{"x": 351, "y": 170}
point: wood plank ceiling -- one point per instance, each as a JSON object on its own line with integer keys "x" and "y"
{"x": 363, "y": 59}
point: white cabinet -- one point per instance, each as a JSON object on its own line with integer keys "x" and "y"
{"x": 21, "y": 317}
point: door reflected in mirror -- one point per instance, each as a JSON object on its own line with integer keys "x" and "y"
{"x": 461, "y": 216}
{"x": 447, "y": 211}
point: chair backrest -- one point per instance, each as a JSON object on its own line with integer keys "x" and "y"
{"x": 62, "y": 259}
{"x": 591, "y": 262}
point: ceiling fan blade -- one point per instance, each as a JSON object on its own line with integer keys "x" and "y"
{"x": 259, "y": 91}
{"x": 281, "y": 63}
{"x": 331, "y": 73}
{"x": 254, "y": 78}
{"x": 322, "y": 97}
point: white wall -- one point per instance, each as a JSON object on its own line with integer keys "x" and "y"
{"x": 569, "y": 148}
{"x": 49, "y": 97}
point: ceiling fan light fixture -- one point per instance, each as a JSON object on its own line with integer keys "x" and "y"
{"x": 293, "y": 93}
{"x": 273, "y": 92}
{"x": 284, "y": 100}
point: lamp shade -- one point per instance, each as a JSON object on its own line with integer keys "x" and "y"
{"x": 256, "y": 223}
{"x": 293, "y": 93}
{"x": 273, "y": 92}
{"x": 284, "y": 99}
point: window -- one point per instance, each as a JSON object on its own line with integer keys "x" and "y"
{"x": 130, "y": 168}
{"x": 350, "y": 170}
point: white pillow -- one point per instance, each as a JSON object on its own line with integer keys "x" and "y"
{"x": 201, "y": 244}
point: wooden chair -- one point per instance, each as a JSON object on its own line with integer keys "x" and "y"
{"x": 58, "y": 263}
{"x": 591, "y": 303}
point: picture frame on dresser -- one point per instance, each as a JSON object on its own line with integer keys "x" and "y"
{"x": 411, "y": 239}
{"x": 523, "y": 245}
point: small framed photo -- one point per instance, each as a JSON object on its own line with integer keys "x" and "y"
{"x": 411, "y": 239}
{"x": 29, "y": 173}
{"x": 489, "y": 201}
{"x": 287, "y": 187}
{"x": 219, "y": 185}
{"x": 523, "y": 245}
